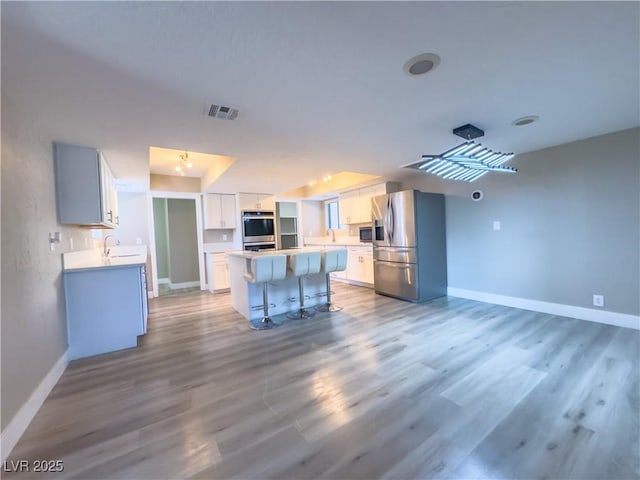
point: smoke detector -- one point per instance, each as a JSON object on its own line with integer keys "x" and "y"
{"x": 222, "y": 112}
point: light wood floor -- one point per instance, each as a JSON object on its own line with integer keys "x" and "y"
{"x": 384, "y": 389}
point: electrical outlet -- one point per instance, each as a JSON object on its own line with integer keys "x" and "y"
{"x": 225, "y": 237}
{"x": 496, "y": 225}
{"x": 598, "y": 300}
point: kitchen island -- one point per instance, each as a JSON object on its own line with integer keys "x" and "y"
{"x": 246, "y": 297}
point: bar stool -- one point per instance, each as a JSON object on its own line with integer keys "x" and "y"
{"x": 301, "y": 264}
{"x": 334, "y": 260}
{"x": 263, "y": 270}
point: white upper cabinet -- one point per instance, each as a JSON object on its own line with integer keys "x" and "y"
{"x": 85, "y": 188}
{"x": 355, "y": 205}
{"x": 349, "y": 207}
{"x": 257, "y": 201}
{"x": 219, "y": 211}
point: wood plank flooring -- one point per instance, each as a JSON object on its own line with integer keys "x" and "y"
{"x": 383, "y": 389}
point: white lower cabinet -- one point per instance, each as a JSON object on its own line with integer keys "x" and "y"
{"x": 217, "y": 272}
{"x": 360, "y": 265}
{"x": 359, "y": 269}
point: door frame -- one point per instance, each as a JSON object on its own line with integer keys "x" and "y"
{"x": 152, "y": 233}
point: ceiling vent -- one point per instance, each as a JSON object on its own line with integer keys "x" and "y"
{"x": 220, "y": 111}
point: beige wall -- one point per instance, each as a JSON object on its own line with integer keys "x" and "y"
{"x": 170, "y": 183}
{"x": 33, "y": 331}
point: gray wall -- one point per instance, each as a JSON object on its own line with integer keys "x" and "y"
{"x": 33, "y": 331}
{"x": 570, "y": 223}
{"x": 162, "y": 240}
{"x": 183, "y": 240}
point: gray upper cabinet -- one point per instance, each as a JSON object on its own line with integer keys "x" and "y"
{"x": 85, "y": 189}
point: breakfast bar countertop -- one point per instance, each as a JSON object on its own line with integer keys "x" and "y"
{"x": 289, "y": 251}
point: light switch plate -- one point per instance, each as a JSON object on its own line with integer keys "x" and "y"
{"x": 496, "y": 225}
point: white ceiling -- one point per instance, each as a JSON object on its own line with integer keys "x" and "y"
{"x": 320, "y": 86}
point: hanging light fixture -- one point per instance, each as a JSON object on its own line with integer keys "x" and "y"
{"x": 468, "y": 161}
{"x": 183, "y": 163}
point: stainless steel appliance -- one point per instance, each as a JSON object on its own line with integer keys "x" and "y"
{"x": 409, "y": 245}
{"x": 258, "y": 230}
{"x": 366, "y": 234}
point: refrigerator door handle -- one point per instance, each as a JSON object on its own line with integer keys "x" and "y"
{"x": 396, "y": 265}
{"x": 392, "y": 220}
{"x": 387, "y": 232}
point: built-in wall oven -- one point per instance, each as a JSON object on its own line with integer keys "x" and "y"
{"x": 258, "y": 230}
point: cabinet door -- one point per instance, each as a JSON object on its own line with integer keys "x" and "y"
{"x": 220, "y": 275}
{"x": 248, "y": 201}
{"x": 108, "y": 195}
{"x": 349, "y": 208}
{"x": 353, "y": 265}
{"x": 266, "y": 201}
{"x": 364, "y": 203}
{"x": 228, "y": 211}
{"x": 212, "y": 209}
{"x": 367, "y": 269}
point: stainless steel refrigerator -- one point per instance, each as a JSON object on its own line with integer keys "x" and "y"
{"x": 409, "y": 245}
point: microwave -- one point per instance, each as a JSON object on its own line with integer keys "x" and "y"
{"x": 366, "y": 234}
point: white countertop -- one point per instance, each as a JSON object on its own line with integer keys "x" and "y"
{"x": 341, "y": 240}
{"x": 288, "y": 251}
{"x": 120, "y": 256}
{"x": 338, "y": 243}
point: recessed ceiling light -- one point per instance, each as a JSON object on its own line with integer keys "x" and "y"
{"x": 522, "y": 121}
{"x": 421, "y": 64}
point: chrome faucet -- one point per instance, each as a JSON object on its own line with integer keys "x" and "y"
{"x": 105, "y": 250}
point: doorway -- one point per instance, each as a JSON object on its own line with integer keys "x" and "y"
{"x": 177, "y": 246}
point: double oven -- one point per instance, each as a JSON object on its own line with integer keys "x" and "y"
{"x": 258, "y": 230}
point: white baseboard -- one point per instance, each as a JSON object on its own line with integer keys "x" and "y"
{"x": 176, "y": 286}
{"x": 150, "y": 294}
{"x": 581, "y": 313}
{"x": 19, "y": 423}
{"x": 163, "y": 280}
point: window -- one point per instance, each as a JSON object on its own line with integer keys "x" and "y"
{"x": 331, "y": 208}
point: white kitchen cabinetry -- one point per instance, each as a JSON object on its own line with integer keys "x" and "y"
{"x": 257, "y": 201}
{"x": 360, "y": 265}
{"x": 286, "y": 225}
{"x": 85, "y": 188}
{"x": 355, "y": 205}
{"x": 217, "y": 272}
{"x": 219, "y": 211}
{"x": 349, "y": 207}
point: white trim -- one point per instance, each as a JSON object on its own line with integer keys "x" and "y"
{"x": 197, "y": 196}
{"x": 176, "y": 286}
{"x": 19, "y": 423}
{"x": 581, "y": 313}
{"x": 162, "y": 281}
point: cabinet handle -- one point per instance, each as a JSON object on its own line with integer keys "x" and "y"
{"x": 110, "y": 214}
{"x": 118, "y": 220}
